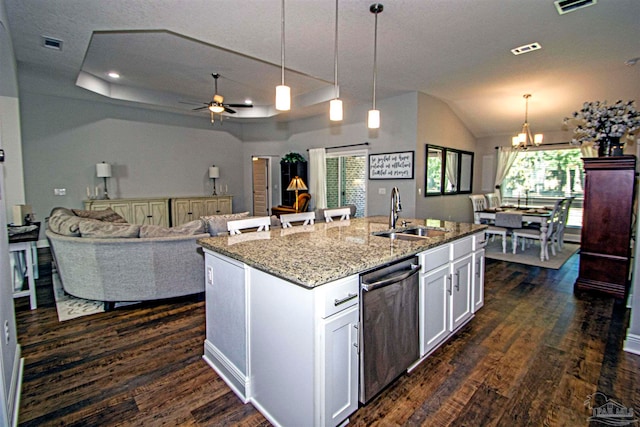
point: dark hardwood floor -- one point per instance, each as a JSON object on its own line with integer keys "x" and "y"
{"x": 531, "y": 356}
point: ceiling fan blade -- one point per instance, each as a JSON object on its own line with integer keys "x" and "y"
{"x": 239, "y": 105}
{"x": 200, "y": 108}
{"x": 229, "y": 110}
{"x": 193, "y": 103}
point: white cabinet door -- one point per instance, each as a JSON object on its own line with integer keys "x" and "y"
{"x": 460, "y": 301}
{"x": 181, "y": 212}
{"x": 434, "y": 308}
{"x": 478, "y": 280}
{"x": 340, "y": 376}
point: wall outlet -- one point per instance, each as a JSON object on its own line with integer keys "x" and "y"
{"x": 59, "y": 191}
{"x": 209, "y": 275}
{"x": 7, "y": 336}
{"x": 382, "y": 190}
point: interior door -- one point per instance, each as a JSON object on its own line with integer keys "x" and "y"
{"x": 260, "y": 186}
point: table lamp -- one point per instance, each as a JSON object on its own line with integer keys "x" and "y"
{"x": 296, "y": 184}
{"x": 103, "y": 170}
{"x": 214, "y": 172}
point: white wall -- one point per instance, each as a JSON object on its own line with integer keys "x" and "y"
{"x": 397, "y": 133}
{"x": 64, "y": 138}
{"x": 438, "y": 125}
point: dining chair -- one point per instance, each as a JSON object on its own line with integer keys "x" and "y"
{"x": 479, "y": 204}
{"x": 343, "y": 213}
{"x": 493, "y": 200}
{"x": 563, "y": 217}
{"x": 308, "y": 218}
{"x": 261, "y": 223}
{"x": 529, "y": 234}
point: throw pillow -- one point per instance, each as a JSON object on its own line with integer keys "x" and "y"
{"x": 218, "y": 223}
{"x": 191, "y": 228}
{"x": 63, "y": 221}
{"x": 106, "y": 215}
{"x": 107, "y": 230}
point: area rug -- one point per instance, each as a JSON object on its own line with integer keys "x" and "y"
{"x": 531, "y": 255}
{"x": 70, "y": 307}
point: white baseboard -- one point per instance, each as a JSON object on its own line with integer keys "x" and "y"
{"x": 632, "y": 344}
{"x": 230, "y": 374}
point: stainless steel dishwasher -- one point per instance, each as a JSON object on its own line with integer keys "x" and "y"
{"x": 389, "y": 335}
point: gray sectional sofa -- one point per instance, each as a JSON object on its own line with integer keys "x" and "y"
{"x": 105, "y": 259}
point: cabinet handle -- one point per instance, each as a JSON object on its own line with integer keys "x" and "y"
{"x": 349, "y": 297}
{"x": 449, "y": 288}
{"x": 457, "y": 282}
{"x": 478, "y": 268}
{"x": 355, "y": 344}
{"x": 149, "y": 216}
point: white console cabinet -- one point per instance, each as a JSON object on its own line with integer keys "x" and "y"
{"x": 135, "y": 211}
{"x": 185, "y": 209}
{"x": 290, "y": 351}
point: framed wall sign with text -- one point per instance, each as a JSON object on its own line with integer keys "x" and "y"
{"x": 391, "y": 165}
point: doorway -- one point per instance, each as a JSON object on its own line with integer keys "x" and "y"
{"x": 261, "y": 199}
{"x": 346, "y": 180}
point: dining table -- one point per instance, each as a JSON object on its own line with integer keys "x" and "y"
{"x": 529, "y": 215}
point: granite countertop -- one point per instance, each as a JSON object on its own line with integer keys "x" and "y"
{"x": 316, "y": 254}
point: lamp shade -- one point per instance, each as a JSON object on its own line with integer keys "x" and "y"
{"x": 373, "y": 120}
{"x": 214, "y": 172}
{"x": 335, "y": 110}
{"x": 296, "y": 184}
{"x": 103, "y": 170}
{"x": 283, "y": 98}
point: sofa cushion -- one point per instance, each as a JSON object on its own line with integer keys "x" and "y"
{"x": 107, "y": 230}
{"x": 217, "y": 224}
{"x": 187, "y": 229}
{"x": 106, "y": 215}
{"x": 63, "y": 221}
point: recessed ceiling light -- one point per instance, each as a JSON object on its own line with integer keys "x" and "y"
{"x": 113, "y": 75}
{"x": 526, "y": 48}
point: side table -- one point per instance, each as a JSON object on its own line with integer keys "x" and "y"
{"x": 23, "y": 246}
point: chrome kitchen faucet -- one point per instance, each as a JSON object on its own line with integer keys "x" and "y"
{"x": 396, "y": 207}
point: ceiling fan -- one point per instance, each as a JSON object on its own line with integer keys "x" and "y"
{"x": 217, "y": 105}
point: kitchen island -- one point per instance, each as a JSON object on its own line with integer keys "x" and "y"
{"x": 283, "y": 315}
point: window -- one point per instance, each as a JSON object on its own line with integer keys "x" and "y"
{"x": 448, "y": 171}
{"x": 541, "y": 177}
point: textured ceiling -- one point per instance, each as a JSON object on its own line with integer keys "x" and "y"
{"x": 456, "y": 50}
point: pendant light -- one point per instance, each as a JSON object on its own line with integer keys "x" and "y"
{"x": 373, "y": 118}
{"x": 283, "y": 92}
{"x": 525, "y": 138}
{"x": 335, "y": 105}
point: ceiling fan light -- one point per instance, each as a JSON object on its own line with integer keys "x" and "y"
{"x": 216, "y": 108}
{"x": 283, "y": 98}
{"x": 335, "y": 110}
{"x": 373, "y": 119}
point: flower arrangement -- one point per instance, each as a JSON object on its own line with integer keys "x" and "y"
{"x": 597, "y": 121}
{"x": 292, "y": 158}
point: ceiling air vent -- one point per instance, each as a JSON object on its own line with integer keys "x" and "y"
{"x": 566, "y": 6}
{"x": 526, "y": 48}
{"x": 51, "y": 43}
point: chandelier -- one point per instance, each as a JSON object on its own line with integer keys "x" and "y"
{"x": 524, "y": 139}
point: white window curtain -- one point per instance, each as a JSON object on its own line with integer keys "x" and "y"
{"x": 452, "y": 170}
{"x": 506, "y": 157}
{"x": 318, "y": 177}
{"x": 587, "y": 150}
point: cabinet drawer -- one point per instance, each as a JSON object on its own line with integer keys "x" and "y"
{"x": 336, "y": 296}
{"x": 461, "y": 247}
{"x": 434, "y": 258}
{"x": 479, "y": 241}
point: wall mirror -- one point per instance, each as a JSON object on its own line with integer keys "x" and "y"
{"x": 448, "y": 171}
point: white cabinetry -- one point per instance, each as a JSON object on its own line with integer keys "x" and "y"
{"x": 135, "y": 211}
{"x": 446, "y": 283}
{"x": 290, "y": 351}
{"x": 479, "y": 242}
{"x": 185, "y": 209}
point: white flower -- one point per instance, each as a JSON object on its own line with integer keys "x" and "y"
{"x": 597, "y": 121}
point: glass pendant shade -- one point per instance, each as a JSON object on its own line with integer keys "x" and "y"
{"x": 335, "y": 110}
{"x": 216, "y": 108}
{"x": 283, "y": 98}
{"x": 373, "y": 119}
{"x": 537, "y": 138}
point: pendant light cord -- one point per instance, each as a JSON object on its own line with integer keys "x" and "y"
{"x": 335, "y": 67}
{"x": 375, "y": 57}
{"x": 282, "y": 42}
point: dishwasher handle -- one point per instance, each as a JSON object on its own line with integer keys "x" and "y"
{"x": 391, "y": 279}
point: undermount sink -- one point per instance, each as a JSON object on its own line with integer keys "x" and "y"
{"x": 414, "y": 233}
